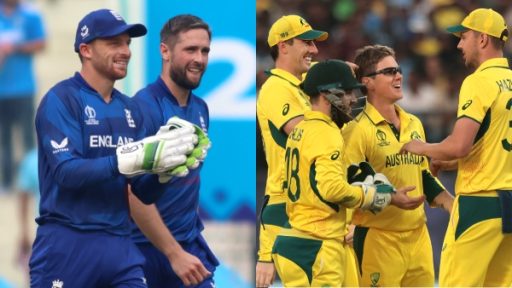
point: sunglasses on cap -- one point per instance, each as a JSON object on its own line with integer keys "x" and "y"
{"x": 390, "y": 71}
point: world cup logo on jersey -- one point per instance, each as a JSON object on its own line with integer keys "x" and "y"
{"x": 90, "y": 113}
{"x": 381, "y": 137}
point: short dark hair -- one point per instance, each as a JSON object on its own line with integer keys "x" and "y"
{"x": 274, "y": 50}
{"x": 182, "y": 23}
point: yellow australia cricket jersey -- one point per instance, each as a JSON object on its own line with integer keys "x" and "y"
{"x": 315, "y": 182}
{"x": 280, "y": 99}
{"x": 486, "y": 97}
{"x": 369, "y": 137}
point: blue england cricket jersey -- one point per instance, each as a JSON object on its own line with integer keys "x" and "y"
{"x": 77, "y": 135}
{"x": 178, "y": 206}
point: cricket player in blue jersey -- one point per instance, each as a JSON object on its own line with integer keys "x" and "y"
{"x": 91, "y": 145}
{"x": 176, "y": 253}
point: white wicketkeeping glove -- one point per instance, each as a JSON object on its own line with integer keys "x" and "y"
{"x": 194, "y": 158}
{"x": 377, "y": 192}
{"x": 159, "y": 153}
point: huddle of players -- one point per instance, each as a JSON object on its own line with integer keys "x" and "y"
{"x": 328, "y": 175}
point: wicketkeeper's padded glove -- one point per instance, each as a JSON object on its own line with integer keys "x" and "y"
{"x": 376, "y": 186}
{"x": 359, "y": 172}
{"x": 159, "y": 153}
{"x": 193, "y": 160}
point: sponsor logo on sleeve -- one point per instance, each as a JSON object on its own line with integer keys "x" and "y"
{"x": 335, "y": 155}
{"x": 60, "y": 147}
{"x": 467, "y": 104}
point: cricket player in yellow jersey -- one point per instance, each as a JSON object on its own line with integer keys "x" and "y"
{"x": 477, "y": 247}
{"x": 280, "y": 106}
{"x": 312, "y": 253}
{"x": 393, "y": 247}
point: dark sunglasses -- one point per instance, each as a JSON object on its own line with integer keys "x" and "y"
{"x": 390, "y": 71}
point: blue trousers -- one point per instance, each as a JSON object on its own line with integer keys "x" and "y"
{"x": 82, "y": 259}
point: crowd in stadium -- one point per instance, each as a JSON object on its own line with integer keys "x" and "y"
{"x": 432, "y": 66}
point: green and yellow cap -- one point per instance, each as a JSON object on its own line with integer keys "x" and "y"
{"x": 483, "y": 20}
{"x": 293, "y": 26}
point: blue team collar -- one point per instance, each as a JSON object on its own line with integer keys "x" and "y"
{"x": 78, "y": 78}
{"x": 160, "y": 82}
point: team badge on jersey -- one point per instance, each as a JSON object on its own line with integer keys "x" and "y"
{"x": 375, "y": 277}
{"x": 203, "y": 123}
{"x": 415, "y": 135}
{"x": 90, "y": 113}
{"x": 129, "y": 118}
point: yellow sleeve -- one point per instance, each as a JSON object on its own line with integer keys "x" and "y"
{"x": 472, "y": 103}
{"x": 281, "y": 103}
{"x": 267, "y": 238}
{"x": 330, "y": 177}
{"x": 356, "y": 144}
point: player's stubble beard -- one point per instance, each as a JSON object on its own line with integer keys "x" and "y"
{"x": 109, "y": 72}
{"x": 179, "y": 76}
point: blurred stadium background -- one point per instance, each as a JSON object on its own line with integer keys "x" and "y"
{"x": 432, "y": 66}
{"x": 228, "y": 86}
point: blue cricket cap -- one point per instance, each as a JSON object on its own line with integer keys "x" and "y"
{"x": 105, "y": 23}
